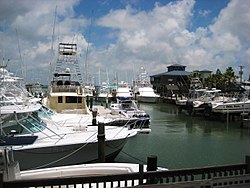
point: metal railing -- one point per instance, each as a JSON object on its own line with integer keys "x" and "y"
{"x": 213, "y": 176}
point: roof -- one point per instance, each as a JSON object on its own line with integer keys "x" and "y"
{"x": 205, "y": 70}
{"x": 173, "y": 73}
{"x": 176, "y": 65}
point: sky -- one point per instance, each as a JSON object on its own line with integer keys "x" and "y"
{"x": 117, "y": 37}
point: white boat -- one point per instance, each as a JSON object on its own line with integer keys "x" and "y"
{"x": 11, "y": 171}
{"x": 59, "y": 145}
{"x": 123, "y": 91}
{"x": 143, "y": 90}
{"x": 200, "y": 100}
{"x": 136, "y": 117}
{"x": 59, "y": 142}
{"x": 240, "y": 105}
{"x": 104, "y": 94}
{"x": 146, "y": 94}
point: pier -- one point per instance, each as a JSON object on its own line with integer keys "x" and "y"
{"x": 234, "y": 175}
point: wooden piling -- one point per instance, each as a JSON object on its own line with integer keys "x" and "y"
{"x": 101, "y": 142}
{"x": 152, "y": 166}
{"x": 94, "y": 114}
{"x": 152, "y": 163}
{"x": 91, "y": 103}
{"x": 87, "y": 100}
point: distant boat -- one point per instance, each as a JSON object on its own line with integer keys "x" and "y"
{"x": 123, "y": 91}
{"x": 143, "y": 90}
{"x": 137, "y": 118}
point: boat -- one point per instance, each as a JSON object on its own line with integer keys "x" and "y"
{"x": 195, "y": 83}
{"x": 235, "y": 105}
{"x": 58, "y": 143}
{"x": 146, "y": 94}
{"x": 129, "y": 110}
{"x": 104, "y": 93}
{"x": 11, "y": 171}
{"x": 123, "y": 91}
{"x": 200, "y": 100}
{"x": 143, "y": 90}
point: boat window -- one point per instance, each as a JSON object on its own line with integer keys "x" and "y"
{"x": 60, "y": 99}
{"x": 59, "y": 83}
{"x": 45, "y": 112}
{"x": 67, "y": 83}
{"x": 23, "y": 125}
{"x": 70, "y": 99}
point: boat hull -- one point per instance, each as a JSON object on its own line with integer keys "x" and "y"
{"x": 147, "y": 99}
{"x": 235, "y": 108}
{"x": 54, "y": 156}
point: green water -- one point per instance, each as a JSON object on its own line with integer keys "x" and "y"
{"x": 181, "y": 141}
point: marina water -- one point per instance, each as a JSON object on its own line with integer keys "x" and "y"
{"x": 182, "y": 141}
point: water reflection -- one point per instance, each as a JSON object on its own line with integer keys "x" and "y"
{"x": 180, "y": 140}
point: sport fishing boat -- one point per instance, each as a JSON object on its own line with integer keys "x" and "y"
{"x": 57, "y": 144}
{"x": 68, "y": 97}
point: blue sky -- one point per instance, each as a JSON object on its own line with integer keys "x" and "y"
{"x": 204, "y": 13}
{"x": 123, "y": 35}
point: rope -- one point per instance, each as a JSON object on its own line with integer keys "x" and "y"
{"x": 60, "y": 159}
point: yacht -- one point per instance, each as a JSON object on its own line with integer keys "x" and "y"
{"x": 62, "y": 139}
{"x": 200, "y": 100}
{"x": 143, "y": 90}
{"x": 131, "y": 114}
{"x": 235, "y": 105}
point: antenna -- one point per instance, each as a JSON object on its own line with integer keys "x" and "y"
{"x": 20, "y": 55}
{"x": 87, "y": 51}
{"x": 52, "y": 44}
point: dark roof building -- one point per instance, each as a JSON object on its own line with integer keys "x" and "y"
{"x": 174, "y": 81}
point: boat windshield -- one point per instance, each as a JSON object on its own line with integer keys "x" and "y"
{"x": 45, "y": 112}
{"x": 22, "y": 124}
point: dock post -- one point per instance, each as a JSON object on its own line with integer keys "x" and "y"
{"x": 247, "y": 161}
{"x": 87, "y": 100}
{"x": 152, "y": 166}
{"x": 91, "y": 103}
{"x": 94, "y": 114}
{"x": 101, "y": 142}
{"x": 106, "y": 101}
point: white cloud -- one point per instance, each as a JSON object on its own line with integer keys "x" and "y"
{"x": 153, "y": 38}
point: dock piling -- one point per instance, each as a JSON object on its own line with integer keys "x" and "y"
{"x": 101, "y": 142}
{"x": 152, "y": 166}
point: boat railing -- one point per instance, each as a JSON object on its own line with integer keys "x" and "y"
{"x": 67, "y": 88}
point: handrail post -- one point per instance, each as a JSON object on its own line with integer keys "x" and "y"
{"x": 247, "y": 161}
{"x": 1, "y": 180}
{"x": 140, "y": 174}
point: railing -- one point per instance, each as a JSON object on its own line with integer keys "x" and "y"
{"x": 214, "y": 176}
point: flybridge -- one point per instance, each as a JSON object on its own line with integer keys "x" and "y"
{"x": 67, "y": 49}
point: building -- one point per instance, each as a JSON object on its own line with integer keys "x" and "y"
{"x": 173, "y": 82}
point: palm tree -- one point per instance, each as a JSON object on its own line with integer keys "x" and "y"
{"x": 229, "y": 77}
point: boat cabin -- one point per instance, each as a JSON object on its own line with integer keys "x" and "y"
{"x": 66, "y": 95}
